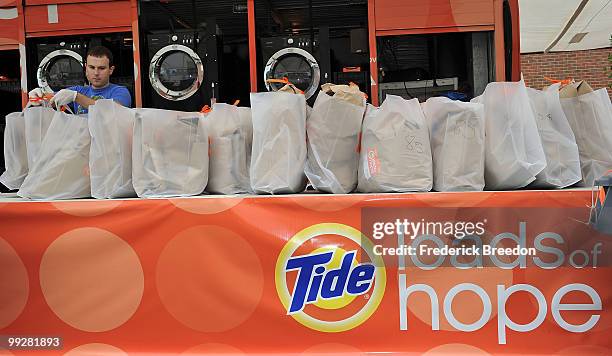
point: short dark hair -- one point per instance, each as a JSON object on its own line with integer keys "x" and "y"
{"x": 101, "y": 51}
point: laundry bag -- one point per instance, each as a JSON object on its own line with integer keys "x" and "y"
{"x": 15, "y": 151}
{"x": 562, "y": 158}
{"x": 457, "y": 132}
{"x": 279, "y": 141}
{"x": 37, "y": 121}
{"x": 513, "y": 150}
{"x": 590, "y": 116}
{"x": 24, "y": 132}
{"x": 246, "y": 121}
{"x": 395, "y": 149}
{"x": 333, "y": 129}
{"x": 229, "y": 129}
{"x": 61, "y": 170}
{"x": 110, "y": 157}
{"x": 169, "y": 153}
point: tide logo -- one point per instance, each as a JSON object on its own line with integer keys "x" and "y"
{"x": 332, "y": 291}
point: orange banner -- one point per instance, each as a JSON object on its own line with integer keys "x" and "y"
{"x": 306, "y": 274}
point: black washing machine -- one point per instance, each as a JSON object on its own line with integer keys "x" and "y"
{"x": 122, "y": 47}
{"x": 182, "y": 70}
{"x": 304, "y": 62}
{"x": 56, "y": 63}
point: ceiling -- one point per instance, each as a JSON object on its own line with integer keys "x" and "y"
{"x": 564, "y": 25}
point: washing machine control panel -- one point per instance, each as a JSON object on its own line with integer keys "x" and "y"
{"x": 45, "y": 47}
{"x": 185, "y": 39}
{"x": 300, "y": 42}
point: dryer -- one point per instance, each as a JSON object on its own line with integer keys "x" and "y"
{"x": 58, "y": 62}
{"x": 303, "y": 60}
{"x": 121, "y": 46}
{"x": 183, "y": 70}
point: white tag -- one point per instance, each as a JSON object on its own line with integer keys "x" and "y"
{"x": 52, "y": 14}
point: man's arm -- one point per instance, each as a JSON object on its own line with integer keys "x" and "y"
{"x": 84, "y": 100}
{"x": 122, "y": 96}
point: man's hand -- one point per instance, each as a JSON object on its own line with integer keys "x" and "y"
{"x": 36, "y": 95}
{"x": 63, "y": 97}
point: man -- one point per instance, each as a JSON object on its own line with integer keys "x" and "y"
{"x": 98, "y": 69}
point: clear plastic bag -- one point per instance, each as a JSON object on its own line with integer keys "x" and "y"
{"x": 590, "y": 117}
{"x": 110, "y": 158}
{"x": 562, "y": 158}
{"x": 61, "y": 170}
{"x": 230, "y": 131}
{"x": 37, "y": 121}
{"x": 333, "y": 129}
{"x": 23, "y": 135}
{"x": 15, "y": 151}
{"x": 513, "y": 149}
{"x": 395, "y": 149}
{"x": 169, "y": 153}
{"x": 457, "y": 143}
{"x": 279, "y": 142}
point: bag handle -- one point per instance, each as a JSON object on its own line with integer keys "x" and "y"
{"x": 44, "y": 100}
{"x": 285, "y": 81}
{"x": 207, "y": 109}
{"x": 352, "y": 84}
{"x": 563, "y": 82}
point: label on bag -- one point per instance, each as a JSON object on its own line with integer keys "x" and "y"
{"x": 373, "y": 162}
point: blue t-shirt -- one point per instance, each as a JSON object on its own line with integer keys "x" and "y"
{"x": 116, "y": 92}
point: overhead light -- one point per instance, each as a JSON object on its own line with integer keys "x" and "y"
{"x": 578, "y": 37}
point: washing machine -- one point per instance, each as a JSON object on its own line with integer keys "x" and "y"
{"x": 304, "y": 60}
{"x": 58, "y": 63}
{"x": 183, "y": 70}
{"x": 121, "y": 46}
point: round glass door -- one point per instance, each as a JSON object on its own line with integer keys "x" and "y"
{"x": 60, "y": 69}
{"x": 176, "y": 72}
{"x": 297, "y": 65}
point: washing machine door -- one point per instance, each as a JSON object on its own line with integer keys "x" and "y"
{"x": 60, "y": 69}
{"x": 299, "y": 66}
{"x": 176, "y": 72}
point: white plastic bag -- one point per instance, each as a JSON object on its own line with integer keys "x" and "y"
{"x": 229, "y": 132}
{"x": 513, "y": 149}
{"x": 37, "y": 121}
{"x": 15, "y": 151}
{"x": 61, "y": 170}
{"x": 246, "y": 121}
{"x": 590, "y": 117}
{"x": 457, "y": 143}
{"x": 562, "y": 159}
{"x": 279, "y": 142}
{"x": 169, "y": 153}
{"x": 333, "y": 130}
{"x": 110, "y": 157}
{"x": 395, "y": 148}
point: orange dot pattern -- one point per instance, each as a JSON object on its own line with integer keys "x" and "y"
{"x": 196, "y": 276}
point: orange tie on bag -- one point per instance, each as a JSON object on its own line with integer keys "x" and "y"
{"x": 286, "y": 81}
{"x": 563, "y": 82}
{"x": 46, "y": 98}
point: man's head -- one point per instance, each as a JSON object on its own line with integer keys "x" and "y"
{"x": 99, "y": 66}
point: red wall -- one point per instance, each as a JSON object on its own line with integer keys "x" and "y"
{"x": 401, "y": 14}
